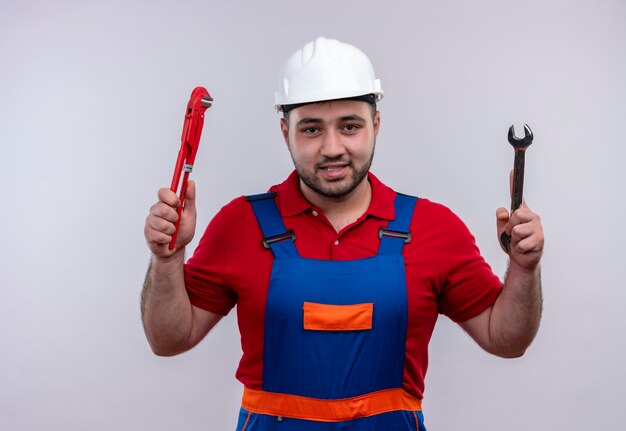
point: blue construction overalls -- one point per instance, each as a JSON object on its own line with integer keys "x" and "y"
{"x": 334, "y": 336}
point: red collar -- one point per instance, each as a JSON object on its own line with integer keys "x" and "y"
{"x": 291, "y": 201}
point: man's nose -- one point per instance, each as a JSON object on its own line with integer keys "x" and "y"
{"x": 332, "y": 145}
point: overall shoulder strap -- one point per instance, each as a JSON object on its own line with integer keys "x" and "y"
{"x": 397, "y": 233}
{"x": 275, "y": 235}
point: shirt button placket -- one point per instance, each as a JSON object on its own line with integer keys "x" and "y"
{"x": 333, "y": 248}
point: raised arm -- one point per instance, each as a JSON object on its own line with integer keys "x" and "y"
{"x": 508, "y": 327}
{"x": 171, "y": 323}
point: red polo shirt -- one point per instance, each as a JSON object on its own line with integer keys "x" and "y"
{"x": 444, "y": 269}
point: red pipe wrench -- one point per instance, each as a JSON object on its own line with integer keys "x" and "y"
{"x": 199, "y": 102}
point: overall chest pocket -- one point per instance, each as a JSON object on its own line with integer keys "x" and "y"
{"x": 327, "y": 317}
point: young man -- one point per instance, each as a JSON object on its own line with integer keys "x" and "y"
{"x": 338, "y": 280}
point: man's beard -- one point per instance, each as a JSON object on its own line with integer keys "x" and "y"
{"x": 328, "y": 190}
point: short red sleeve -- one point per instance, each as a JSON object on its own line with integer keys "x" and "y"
{"x": 205, "y": 277}
{"x": 470, "y": 286}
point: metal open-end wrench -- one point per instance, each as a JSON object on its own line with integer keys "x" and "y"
{"x": 520, "y": 146}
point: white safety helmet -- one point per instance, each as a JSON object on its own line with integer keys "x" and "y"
{"x": 326, "y": 69}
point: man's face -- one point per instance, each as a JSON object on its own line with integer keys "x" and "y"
{"x": 332, "y": 145}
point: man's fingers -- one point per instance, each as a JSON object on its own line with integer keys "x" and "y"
{"x": 523, "y": 215}
{"x": 164, "y": 211}
{"x": 158, "y": 238}
{"x": 527, "y": 227}
{"x": 156, "y": 232}
{"x": 161, "y": 225}
{"x": 161, "y": 221}
{"x": 526, "y": 237}
{"x": 525, "y": 244}
{"x": 168, "y": 197}
{"x": 522, "y": 231}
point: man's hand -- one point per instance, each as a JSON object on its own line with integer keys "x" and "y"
{"x": 526, "y": 232}
{"x": 160, "y": 223}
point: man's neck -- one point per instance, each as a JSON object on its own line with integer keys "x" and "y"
{"x": 344, "y": 210}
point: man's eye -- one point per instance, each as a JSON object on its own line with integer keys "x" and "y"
{"x": 310, "y": 130}
{"x": 351, "y": 127}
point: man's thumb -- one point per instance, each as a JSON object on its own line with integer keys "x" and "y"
{"x": 502, "y": 218}
{"x": 190, "y": 196}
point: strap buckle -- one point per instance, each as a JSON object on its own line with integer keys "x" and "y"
{"x": 267, "y": 241}
{"x": 406, "y": 236}
{"x": 260, "y": 197}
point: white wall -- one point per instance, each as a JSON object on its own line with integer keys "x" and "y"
{"x": 91, "y": 101}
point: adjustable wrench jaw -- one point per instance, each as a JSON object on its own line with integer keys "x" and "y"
{"x": 199, "y": 102}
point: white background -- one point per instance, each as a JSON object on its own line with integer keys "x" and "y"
{"x": 92, "y": 95}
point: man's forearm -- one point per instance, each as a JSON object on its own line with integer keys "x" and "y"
{"x": 165, "y": 307}
{"x": 517, "y": 312}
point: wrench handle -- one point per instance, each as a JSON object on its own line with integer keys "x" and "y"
{"x": 179, "y": 210}
{"x": 517, "y": 194}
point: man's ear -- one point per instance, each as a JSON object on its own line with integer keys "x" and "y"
{"x": 284, "y": 129}
{"x": 376, "y": 123}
